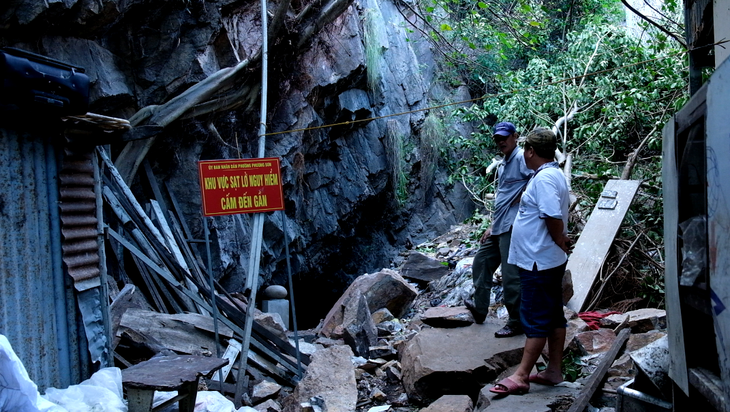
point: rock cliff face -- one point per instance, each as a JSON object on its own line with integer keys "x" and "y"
{"x": 356, "y": 193}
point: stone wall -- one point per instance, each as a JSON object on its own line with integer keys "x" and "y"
{"x": 344, "y": 216}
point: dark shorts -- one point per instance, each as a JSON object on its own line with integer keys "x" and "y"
{"x": 541, "y": 308}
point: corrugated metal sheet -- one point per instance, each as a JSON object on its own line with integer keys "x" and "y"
{"x": 78, "y": 213}
{"x": 37, "y": 310}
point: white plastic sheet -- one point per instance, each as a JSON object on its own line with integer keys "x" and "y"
{"x": 17, "y": 392}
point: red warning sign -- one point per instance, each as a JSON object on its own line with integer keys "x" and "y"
{"x": 240, "y": 186}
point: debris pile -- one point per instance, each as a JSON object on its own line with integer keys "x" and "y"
{"x": 399, "y": 339}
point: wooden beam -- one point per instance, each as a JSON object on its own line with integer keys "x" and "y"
{"x": 596, "y": 377}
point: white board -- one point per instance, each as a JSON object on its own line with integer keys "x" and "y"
{"x": 675, "y": 330}
{"x": 596, "y": 238}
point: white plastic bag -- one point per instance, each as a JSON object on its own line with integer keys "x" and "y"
{"x": 205, "y": 401}
{"x": 100, "y": 393}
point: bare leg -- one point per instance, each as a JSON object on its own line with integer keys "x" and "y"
{"x": 554, "y": 371}
{"x": 533, "y": 349}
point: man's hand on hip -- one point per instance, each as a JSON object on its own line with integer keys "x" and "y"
{"x": 485, "y": 235}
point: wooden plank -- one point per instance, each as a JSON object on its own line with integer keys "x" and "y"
{"x": 718, "y": 214}
{"x": 166, "y": 373}
{"x": 675, "y": 330}
{"x": 231, "y": 353}
{"x": 188, "y": 253}
{"x": 164, "y": 273}
{"x": 152, "y": 180}
{"x": 129, "y": 297}
{"x": 172, "y": 246}
{"x": 178, "y": 212}
{"x": 151, "y": 285}
{"x": 202, "y": 322}
{"x": 595, "y": 241}
{"x": 581, "y": 401}
{"x": 171, "y": 333}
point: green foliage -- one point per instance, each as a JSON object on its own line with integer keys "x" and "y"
{"x": 572, "y": 367}
{"x": 434, "y": 135}
{"x": 374, "y": 35}
{"x": 536, "y": 62}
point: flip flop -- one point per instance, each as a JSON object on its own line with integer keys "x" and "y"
{"x": 509, "y": 387}
{"x": 540, "y": 380}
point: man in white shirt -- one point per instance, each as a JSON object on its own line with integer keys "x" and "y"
{"x": 540, "y": 247}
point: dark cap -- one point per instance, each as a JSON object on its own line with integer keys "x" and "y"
{"x": 543, "y": 138}
{"x": 504, "y": 129}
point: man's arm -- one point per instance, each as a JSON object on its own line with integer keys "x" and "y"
{"x": 555, "y": 228}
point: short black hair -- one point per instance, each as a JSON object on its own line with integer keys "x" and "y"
{"x": 541, "y": 151}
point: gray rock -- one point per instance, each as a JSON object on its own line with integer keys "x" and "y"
{"x": 267, "y": 406}
{"x": 330, "y": 376}
{"x": 640, "y": 320}
{"x": 275, "y": 292}
{"x": 653, "y": 360}
{"x": 358, "y": 328}
{"x": 443, "y": 317}
{"x": 382, "y": 315}
{"x": 264, "y": 390}
{"x": 450, "y": 403}
{"x": 423, "y": 268}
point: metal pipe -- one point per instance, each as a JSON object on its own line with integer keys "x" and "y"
{"x": 258, "y": 219}
{"x": 107, "y": 360}
{"x": 212, "y": 300}
{"x": 624, "y": 390}
{"x": 291, "y": 293}
{"x": 59, "y": 283}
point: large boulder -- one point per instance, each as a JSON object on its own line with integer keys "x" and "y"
{"x": 382, "y": 290}
{"x": 456, "y": 361}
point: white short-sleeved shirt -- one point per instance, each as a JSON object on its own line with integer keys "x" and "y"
{"x": 546, "y": 195}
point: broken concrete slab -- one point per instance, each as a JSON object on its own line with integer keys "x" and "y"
{"x": 168, "y": 331}
{"x": 450, "y": 403}
{"x": 540, "y": 398}
{"x": 456, "y": 361}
